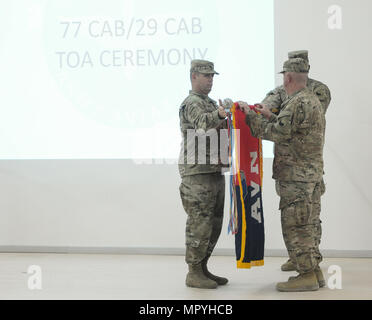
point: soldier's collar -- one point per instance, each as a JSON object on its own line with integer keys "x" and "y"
{"x": 199, "y": 94}
{"x": 297, "y": 92}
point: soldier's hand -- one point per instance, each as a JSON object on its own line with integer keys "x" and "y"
{"x": 263, "y": 109}
{"x": 221, "y": 112}
{"x": 244, "y": 106}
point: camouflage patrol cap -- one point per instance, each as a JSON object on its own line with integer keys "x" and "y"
{"x": 303, "y": 54}
{"x": 202, "y": 66}
{"x": 297, "y": 65}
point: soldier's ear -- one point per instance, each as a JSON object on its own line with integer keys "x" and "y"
{"x": 289, "y": 78}
{"x": 194, "y": 75}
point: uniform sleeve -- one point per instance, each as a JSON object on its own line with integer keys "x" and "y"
{"x": 195, "y": 114}
{"x": 223, "y": 125}
{"x": 274, "y": 100}
{"x": 324, "y": 96}
{"x": 277, "y": 129}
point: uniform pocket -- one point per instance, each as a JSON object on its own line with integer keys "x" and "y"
{"x": 302, "y": 212}
{"x": 194, "y": 243}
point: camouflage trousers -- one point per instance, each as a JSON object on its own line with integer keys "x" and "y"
{"x": 203, "y": 198}
{"x": 301, "y": 225}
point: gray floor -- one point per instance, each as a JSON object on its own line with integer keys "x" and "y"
{"x": 99, "y": 276}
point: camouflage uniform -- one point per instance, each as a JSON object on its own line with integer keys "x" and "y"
{"x": 298, "y": 133}
{"x": 275, "y": 99}
{"x": 202, "y": 188}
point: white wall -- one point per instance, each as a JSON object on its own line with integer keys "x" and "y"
{"x": 117, "y": 204}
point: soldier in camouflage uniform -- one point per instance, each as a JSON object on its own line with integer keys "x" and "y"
{"x": 275, "y": 99}
{"x": 298, "y": 134}
{"x": 202, "y": 188}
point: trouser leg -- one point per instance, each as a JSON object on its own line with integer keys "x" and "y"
{"x": 284, "y": 231}
{"x": 316, "y": 201}
{"x": 199, "y": 196}
{"x": 299, "y": 225}
{"x": 217, "y": 218}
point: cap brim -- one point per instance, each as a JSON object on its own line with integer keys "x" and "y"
{"x": 209, "y": 72}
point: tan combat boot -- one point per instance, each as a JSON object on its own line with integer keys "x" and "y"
{"x": 319, "y": 276}
{"x": 303, "y": 282}
{"x": 220, "y": 280}
{"x": 288, "y": 266}
{"x": 196, "y": 278}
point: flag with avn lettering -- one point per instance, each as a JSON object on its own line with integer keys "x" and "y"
{"x": 246, "y": 210}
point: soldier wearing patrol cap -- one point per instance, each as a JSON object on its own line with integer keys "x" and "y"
{"x": 274, "y": 100}
{"x": 202, "y": 188}
{"x": 298, "y": 134}
{"x": 202, "y": 66}
{"x": 276, "y": 97}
